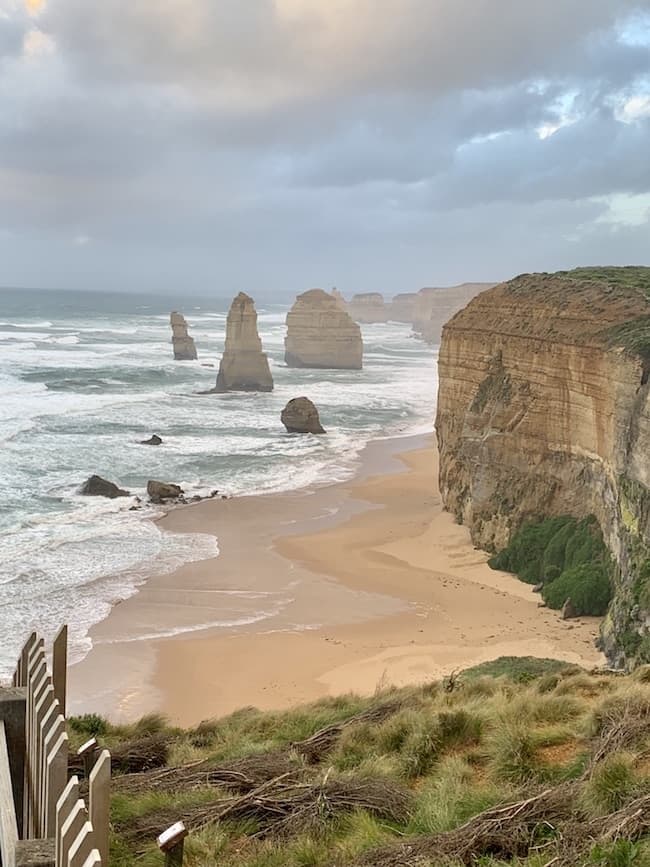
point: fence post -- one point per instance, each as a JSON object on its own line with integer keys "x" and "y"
{"x": 99, "y": 799}
{"x": 64, "y": 807}
{"x": 172, "y": 842}
{"x": 60, "y": 667}
{"x": 13, "y": 709}
{"x": 8, "y": 825}
{"x": 88, "y": 752}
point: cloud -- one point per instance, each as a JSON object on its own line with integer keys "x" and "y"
{"x": 319, "y": 132}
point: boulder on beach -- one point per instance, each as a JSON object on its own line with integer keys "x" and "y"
{"x": 96, "y": 486}
{"x": 243, "y": 367}
{"x": 154, "y": 440}
{"x": 320, "y": 334}
{"x": 183, "y": 344}
{"x": 301, "y": 416}
{"x": 161, "y": 491}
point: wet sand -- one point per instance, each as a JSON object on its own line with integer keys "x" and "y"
{"x": 362, "y": 584}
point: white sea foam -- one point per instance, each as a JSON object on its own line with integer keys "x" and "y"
{"x": 77, "y": 395}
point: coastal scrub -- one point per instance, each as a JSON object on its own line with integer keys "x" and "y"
{"x": 567, "y": 557}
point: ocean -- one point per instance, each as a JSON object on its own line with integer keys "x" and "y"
{"x": 84, "y": 376}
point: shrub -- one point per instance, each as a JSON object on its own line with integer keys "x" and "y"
{"x": 513, "y": 752}
{"x": 90, "y": 724}
{"x": 587, "y": 586}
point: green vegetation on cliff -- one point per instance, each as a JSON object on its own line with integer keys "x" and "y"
{"x": 568, "y": 557}
{"x": 518, "y": 761}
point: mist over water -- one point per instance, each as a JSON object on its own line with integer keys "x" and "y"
{"x": 84, "y": 377}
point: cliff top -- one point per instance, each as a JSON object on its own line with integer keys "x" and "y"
{"x": 406, "y": 776}
{"x": 602, "y": 306}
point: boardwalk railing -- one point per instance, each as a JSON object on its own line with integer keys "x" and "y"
{"x": 43, "y": 818}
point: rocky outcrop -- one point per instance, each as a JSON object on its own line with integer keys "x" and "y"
{"x": 154, "y": 440}
{"x": 435, "y": 306}
{"x": 183, "y": 344}
{"x": 322, "y": 335}
{"x": 301, "y": 416}
{"x": 96, "y": 486}
{"x": 544, "y": 410}
{"x": 244, "y": 367}
{"x": 402, "y": 307}
{"x": 368, "y": 307}
{"x": 160, "y": 492}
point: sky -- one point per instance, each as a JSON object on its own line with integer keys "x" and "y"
{"x": 276, "y": 145}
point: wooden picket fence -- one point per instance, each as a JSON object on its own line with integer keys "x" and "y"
{"x": 52, "y": 810}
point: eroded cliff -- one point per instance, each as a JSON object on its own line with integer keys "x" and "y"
{"x": 436, "y": 305}
{"x": 543, "y": 410}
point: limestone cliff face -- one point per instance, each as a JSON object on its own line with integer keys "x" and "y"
{"x": 402, "y": 307}
{"x": 436, "y": 305}
{"x": 243, "y": 367}
{"x": 543, "y": 409}
{"x": 368, "y": 307}
{"x": 182, "y": 343}
{"x": 321, "y": 334}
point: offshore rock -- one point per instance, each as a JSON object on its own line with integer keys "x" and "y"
{"x": 244, "y": 367}
{"x": 301, "y": 416}
{"x": 368, "y": 307}
{"x": 154, "y": 440}
{"x": 159, "y": 492}
{"x": 435, "y": 306}
{"x": 183, "y": 344}
{"x": 322, "y": 335}
{"x": 96, "y": 486}
{"x": 544, "y": 410}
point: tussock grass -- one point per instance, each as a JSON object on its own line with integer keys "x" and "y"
{"x": 398, "y": 769}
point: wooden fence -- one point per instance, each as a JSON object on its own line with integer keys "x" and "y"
{"x": 41, "y": 810}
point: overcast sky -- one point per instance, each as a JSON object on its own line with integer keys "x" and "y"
{"x": 280, "y": 144}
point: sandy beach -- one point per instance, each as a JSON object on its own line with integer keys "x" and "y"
{"x": 377, "y": 584}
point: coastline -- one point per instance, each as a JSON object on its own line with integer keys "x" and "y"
{"x": 368, "y": 582}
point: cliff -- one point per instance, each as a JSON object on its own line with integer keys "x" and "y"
{"x": 402, "y": 307}
{"x": 368, "y": 307}
{"x": 321, "y": 334}
{"x": 436, "y": 305}
{"x": 543, "y": 411}
{"x": 243, "y": 367}
{"x": 182, "y": 343}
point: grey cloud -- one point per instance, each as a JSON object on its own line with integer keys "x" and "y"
{"x": 392, "y": 149}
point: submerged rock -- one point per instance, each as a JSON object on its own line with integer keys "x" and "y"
{"x": 183, "y": 344}
{"x": 159, "y": 492}
{"x": 154, "y": 440}
{"x": 96, "y": 486}
{"x": 301, "y": 416}
{"x": 320, "y": 334}
{"x": 244, "y": 367}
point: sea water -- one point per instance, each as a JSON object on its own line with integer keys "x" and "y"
{"x": 85, "y": 376}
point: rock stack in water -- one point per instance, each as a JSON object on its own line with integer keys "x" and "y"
{"x": 244, "y": 367}
{"x": 184, "y": 348}
{"x": 435, "y": 306}
{"x": 368, "y": 307}
{"x": 322, "y": 335}
{"x": 402, "y": 307}
{"x": 301, "y": 416}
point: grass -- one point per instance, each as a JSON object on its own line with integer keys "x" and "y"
{"x": 567, "y": 557}
{"x": 499, "y": 732}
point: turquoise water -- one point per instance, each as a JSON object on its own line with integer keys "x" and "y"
{"x": 84, "y": 376}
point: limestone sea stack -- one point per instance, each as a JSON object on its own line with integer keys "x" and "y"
{"x": 183, "y": 344}
{"x": 368, "y": 307}
{"x": 402, "y": 307}
{"x": 544, "y": 412}
{"x": 322, "y": 335}
{"x": 343, "y": 304}
{"x": 301, "y": 416}
{"x": 436, "y": 305}
{"x": 244, "y": 367}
